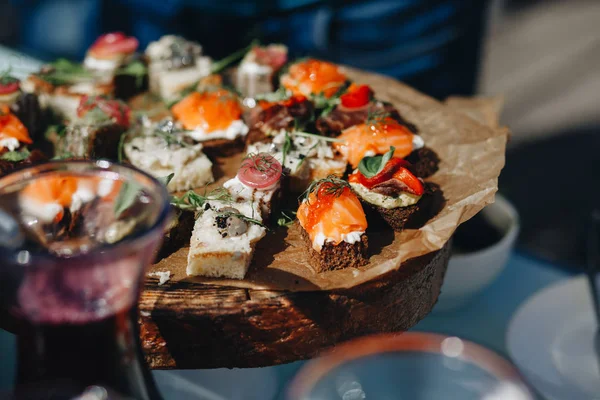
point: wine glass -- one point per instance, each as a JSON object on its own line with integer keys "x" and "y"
{"x": 412, "y": 365}
{"x": 75, "y": 240}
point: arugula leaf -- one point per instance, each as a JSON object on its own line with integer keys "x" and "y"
{"x": 136, "y": 69}
{"x": 166, "y": 179}
{"x": 371, "y": 166}
{"x": 127, "y": 196}
{"x": 15, "y": 156}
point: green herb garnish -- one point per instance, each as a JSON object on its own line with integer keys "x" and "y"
{"x": 287, "y": 146}
{"x": 128, "y": 194}
{"x": 335, "y": 186}
{"x": 312, "y": 135}
{"x": 6, "y": 78}
{"x": 286, "y": 218}
{"x": 166, "y": 179}
{"x": 136, "y": 69}
{"x": 63, "y": 156}
{"x": 377, "y": 117}
{"x": 227, "y": 214}
{"x": 65, "y": 72}
{"x": 220, "y": 65}
{"x": 15, "y": 156}
{"x": 372, "y": 165}
{"x": 279, "y": 95}
{"x": 194, "y": 201}
{"x": 58, "y": 130}
{"x": 121, "y": 147}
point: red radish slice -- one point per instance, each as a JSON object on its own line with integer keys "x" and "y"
{"x": 9, "y": 87}
{"x": 260, "y": 171}
{"x": 274, "y": 56}
{"x": 114, "y": 43}
{"x": 115, "y": 109}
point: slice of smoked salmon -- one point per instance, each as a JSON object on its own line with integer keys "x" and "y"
{"x": 11, "y": 126}
{"x": 313, "y": 77}
{"x": 209, "y": 111}
{"x": 333, "y": 215}
{"x": 369, "y": 139}
{"x": 52, "y": 189}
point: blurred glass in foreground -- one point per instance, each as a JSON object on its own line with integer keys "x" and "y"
{"x": 75, "y": 240}
{"x": 415, "y": 366}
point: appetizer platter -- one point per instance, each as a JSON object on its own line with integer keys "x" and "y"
{"x": 311, "y": 202}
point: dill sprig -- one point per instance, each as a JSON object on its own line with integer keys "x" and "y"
{"x": 195, "y": 201}
{"x": 6, "y": 78}
{"x": 262, "y": 162}
{"x": 377, "y": 117}
{"x": 335, "y": 187}
{"x": 286, "y": 218}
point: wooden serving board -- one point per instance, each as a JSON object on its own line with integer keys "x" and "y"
{"x": 188, "y": 325}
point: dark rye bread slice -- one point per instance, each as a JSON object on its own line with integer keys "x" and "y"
{"x": 35, "y": 157}
{"x": 411, "y": 217}
{"x": 87, "y": 141}
{"x": 333, "y": 257}
{"x": 177, "y": 233}
{"x": 223, "y": 147}
{"x": 425, "y": 162}
{"x": 339, "y": 119}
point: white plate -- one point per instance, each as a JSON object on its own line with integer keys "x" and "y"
{"x": 550, "y": 339}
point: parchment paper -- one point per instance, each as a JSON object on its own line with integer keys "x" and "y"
{"x": 466, "y": 136}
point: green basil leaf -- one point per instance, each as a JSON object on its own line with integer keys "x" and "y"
{"x": 371, "y": 166}
{"x": 15, "y": 156}
{"x": 128, "y": 195}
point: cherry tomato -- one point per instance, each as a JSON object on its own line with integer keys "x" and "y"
{"x": 9, "y": 85}
{"x": 396, "y": 168}
{"x": 114, "y": 43}
{"x": 260, "y": 171}
{"x": 358, "y": 97}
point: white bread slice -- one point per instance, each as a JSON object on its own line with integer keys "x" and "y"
{"x": 214, "y": 255}
{"x": 190, "y": 167}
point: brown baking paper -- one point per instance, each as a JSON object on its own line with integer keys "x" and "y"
{"x": 472, "y": 156}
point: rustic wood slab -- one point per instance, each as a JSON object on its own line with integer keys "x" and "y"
{"x": 188, "y": 325}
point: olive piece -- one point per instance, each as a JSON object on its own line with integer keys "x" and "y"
{"x": 230, "y": 224}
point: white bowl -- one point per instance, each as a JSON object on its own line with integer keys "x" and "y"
{"x": 469, "y": 273}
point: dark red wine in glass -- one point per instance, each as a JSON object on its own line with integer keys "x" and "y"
{"x": 71, "y": 268}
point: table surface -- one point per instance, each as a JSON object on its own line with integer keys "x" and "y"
{"x": 484, "y": 320}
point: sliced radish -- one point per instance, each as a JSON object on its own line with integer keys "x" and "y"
{"x": 260, "y": 171}
{"x": 112, "y": 44}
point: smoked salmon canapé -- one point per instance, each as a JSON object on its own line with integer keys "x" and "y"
{"x": 13, "y": 134}
{"x": 333, "y": 225}
{"x": 314, "y": 78}
{"x": 212, "y": 117}
{"x": 388, "y": 189}
{"x": 374, "y": 137}
{"x": 51, "y": 197}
